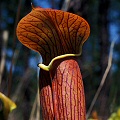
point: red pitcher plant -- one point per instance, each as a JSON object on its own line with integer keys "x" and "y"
{"x": 58, "y": 36}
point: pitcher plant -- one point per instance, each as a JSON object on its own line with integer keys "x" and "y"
{"x": 58, "y": 36}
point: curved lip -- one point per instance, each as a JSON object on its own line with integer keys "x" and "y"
{"x": 6, "y": 100}
{"x": 49, "y": 67}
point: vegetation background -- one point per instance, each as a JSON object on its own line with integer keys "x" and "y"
{"x": 18, "y": 64}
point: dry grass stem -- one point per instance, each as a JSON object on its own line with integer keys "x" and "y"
{"x": 65, "y": 5}
{"x": 103, "y": 78}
